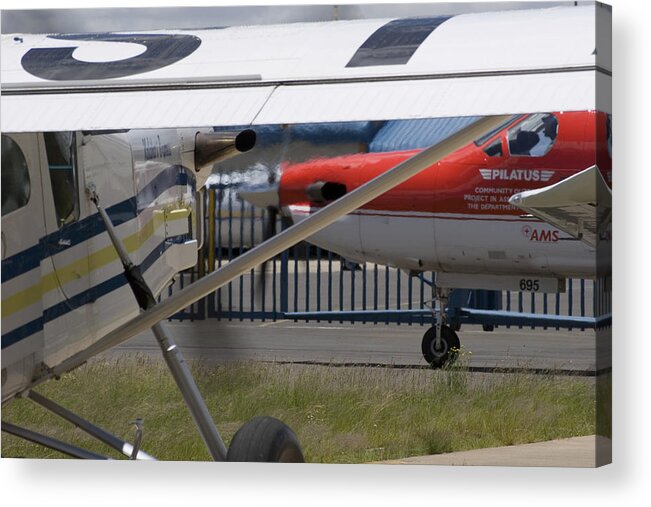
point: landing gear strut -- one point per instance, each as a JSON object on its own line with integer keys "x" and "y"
{"x": 440, "y": 343}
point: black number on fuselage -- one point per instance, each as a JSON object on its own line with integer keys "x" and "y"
{"x": 59, "y": 64}
{"x": 527, "y": 284}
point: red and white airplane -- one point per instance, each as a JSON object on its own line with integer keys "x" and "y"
{"x": 521, "y": 207}
{"x": 106, "y": 137}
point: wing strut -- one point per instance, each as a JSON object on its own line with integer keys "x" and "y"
{"x": 52, "y": 443}
{"x": 129, "y": 450}
{"x": 171, "y": 353}
{"x": 282, "y": 241}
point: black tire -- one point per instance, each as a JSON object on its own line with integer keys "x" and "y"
{"x": 265, "y": 439}
{"x": 448, "y": 351}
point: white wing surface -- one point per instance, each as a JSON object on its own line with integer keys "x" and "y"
{"x": 580, "y": 205}
{"x": 471, "y": 64}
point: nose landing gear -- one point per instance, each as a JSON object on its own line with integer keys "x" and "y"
{"x": 441, "y": 351}
{"x": 440, "y": 345}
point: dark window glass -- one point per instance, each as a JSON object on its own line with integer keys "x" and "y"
{"x": 60, "y": 148}
{"x": 534, "y": 136}
{"x": 16, "y": 187}
{"x": 494, "y": 149}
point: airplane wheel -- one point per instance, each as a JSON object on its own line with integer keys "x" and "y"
{"x": 265, "y": 439}
{"x": 447, "y": 351}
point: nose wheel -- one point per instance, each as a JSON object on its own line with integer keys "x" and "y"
{"x": 442, "y": 351}
{"x": 440, "y": 343}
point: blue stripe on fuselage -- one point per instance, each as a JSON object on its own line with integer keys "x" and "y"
{"x": 68, "y": 305}
{"x": 73, "y": 234}
{"x": 82, "y": 230}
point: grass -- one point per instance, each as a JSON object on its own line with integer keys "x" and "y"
{"x": 341, "y": 415}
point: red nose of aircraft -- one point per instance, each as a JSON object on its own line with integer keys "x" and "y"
{"x": 320, "y": 181}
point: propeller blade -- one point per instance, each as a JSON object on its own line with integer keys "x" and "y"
{"x": 261, "y": 197}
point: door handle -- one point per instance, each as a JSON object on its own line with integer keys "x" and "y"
{"x": 61, "y": 243}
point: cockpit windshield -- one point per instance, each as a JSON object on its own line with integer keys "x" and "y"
{"x": 534, "y": 136}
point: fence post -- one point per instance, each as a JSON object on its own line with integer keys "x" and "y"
{"x": 211, "y": 245}
{"x": 284, "y": 279}
{"x": 201, "y": 272}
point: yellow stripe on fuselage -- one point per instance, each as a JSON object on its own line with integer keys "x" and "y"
{"x": 82, "y": 267}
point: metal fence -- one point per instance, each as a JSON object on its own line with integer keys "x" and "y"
{"x": 308, "y": 283}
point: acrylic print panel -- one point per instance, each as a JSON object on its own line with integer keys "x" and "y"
{"x": 380, "y": 238}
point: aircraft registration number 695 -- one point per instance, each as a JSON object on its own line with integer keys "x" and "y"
{"x": 529, "y": 284}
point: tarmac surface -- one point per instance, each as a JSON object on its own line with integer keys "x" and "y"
{"x": 578, "y": 452}
{"x": 368, "y": 344}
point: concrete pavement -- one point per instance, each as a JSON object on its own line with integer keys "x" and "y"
{"x": 578, "y": 452}
{"x": 341, "y": 343}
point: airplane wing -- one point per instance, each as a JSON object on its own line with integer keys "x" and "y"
{"x": 363, "y": 70}
{"x": 580, "y": 205}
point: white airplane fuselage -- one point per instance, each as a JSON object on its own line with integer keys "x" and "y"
{"x": 455, "y": 217}
{"x": 62, "y": 283}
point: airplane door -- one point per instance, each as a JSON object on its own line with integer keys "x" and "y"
{"x": 66, "y": 280}
{"x": 22, "y": 231}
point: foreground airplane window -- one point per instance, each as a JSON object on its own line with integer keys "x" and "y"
{"x": 16, "y": 186}
{"x": 60, "y": 154}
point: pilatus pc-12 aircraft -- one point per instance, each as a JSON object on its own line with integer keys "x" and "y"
{"x": 515, "y": 209}
{"x": 108, "y": 138}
